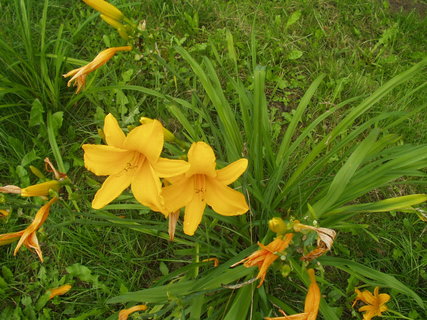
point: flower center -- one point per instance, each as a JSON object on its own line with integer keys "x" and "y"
{"x": 199, "y": 184}
{"x": 135, "y": 163}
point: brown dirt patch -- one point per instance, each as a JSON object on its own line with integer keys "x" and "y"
{"x": 419, "y": 7}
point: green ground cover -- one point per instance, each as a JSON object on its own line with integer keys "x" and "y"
{"x": 276, "y": 67}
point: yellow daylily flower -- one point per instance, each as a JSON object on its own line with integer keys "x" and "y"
{"x": 105, "y": 8}
{"x": 311, "y": 305}
{"x": 133, "y": 160}
{"x": 376, "y": 303}
{"x": 59, "y": 291}
{"x": 264, "y": 257}
{"x": 124, "y": 314}
{"x": 28, "y": 236}
{"x": 79, "y": 74}
{"x": 204, "y": 185}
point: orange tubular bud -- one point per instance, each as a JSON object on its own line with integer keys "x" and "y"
{"x": 124, "y": 314}
{"x": 59, "y": 291}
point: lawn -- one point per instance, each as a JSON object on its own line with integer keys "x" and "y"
{"x": 299, "y": 125}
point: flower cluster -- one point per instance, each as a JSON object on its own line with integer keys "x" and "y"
{"x": 134, "y": 160}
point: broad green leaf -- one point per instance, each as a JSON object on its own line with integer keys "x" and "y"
{"x": 294, "y": 54}
{"x": 36, "y": 114}
{"x": 293, "y": 18}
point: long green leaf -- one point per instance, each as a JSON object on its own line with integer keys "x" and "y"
{"x": 375, "y": 278}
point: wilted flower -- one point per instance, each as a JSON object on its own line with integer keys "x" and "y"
{"x": 376, "y": 303}
{"x": 79, "y": 74}
{"x": 203, "y": 185}
{"x": 265, "y": 256}
{"x": 173, "y": 219}
{"x": 28, "y": 237}
{"x": 325, "y": 240}
{"x": 124, "y": 314}
{"x": 131, "y": 160}
{"x": 312, "y": 302}
{"x": 59, "y": 291}
{"x": 10, "y": 189}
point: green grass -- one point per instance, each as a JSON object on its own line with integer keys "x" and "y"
{"x": 197, "y": 71}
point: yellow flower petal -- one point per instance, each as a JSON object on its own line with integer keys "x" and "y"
{"x": 368, "y": 297}
{"x": 40, "y": 189}
{"x": 169, "y": 136}
{"x": 223, "y": 199}
{"x": 193, "y": 214}
{"x": 146, "y": 139}
{"x": 107, "y": 160}
{"x": 146, "y": 186}
{"x": 370, "y": 312}
{"x": 202, "y": 160}
{"x": 232, "y": 172}
{"x": 124, "y": 314}
{"x": 59, "y": 291}
{"x": 383, "y": 298}
{"x": 166, "y": 168}
{"x": 105, "y": 8}
{"x": 112, "y": 187}
{"x": 178, "y": 195}
{"x": 114, "y": 135}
